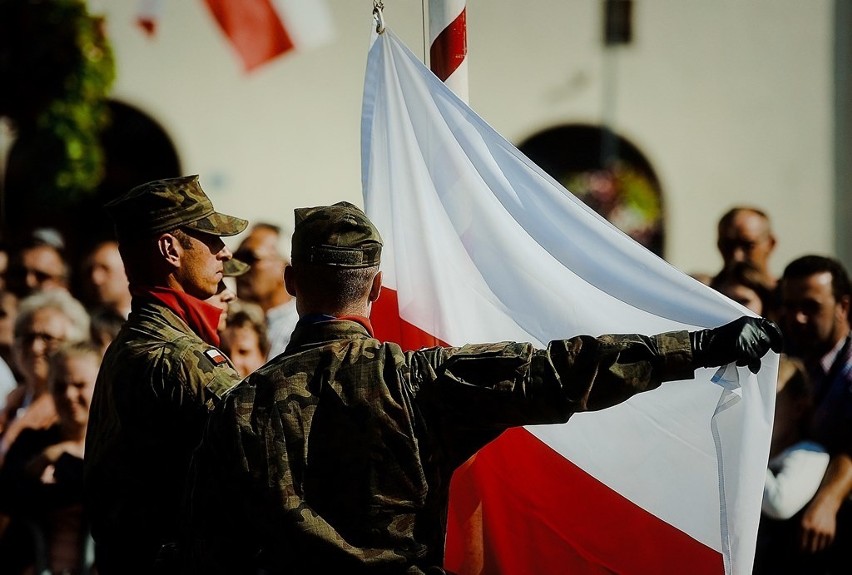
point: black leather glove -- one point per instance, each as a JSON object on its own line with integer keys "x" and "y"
{"x": 743, "y": 341}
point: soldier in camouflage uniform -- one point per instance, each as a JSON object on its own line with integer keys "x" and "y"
{"x": 336, "y": 456}
{"x": 159, "y": 377}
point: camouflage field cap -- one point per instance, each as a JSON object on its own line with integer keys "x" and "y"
{"x": 165, "y": 205}
{"x": 233, "y": 267}
{"x": 340, "y": 235}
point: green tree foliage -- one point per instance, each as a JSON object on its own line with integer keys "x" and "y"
{"x": 56, "y": 69}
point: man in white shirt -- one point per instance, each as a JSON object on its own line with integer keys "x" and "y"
{"x": 266, "y": 250}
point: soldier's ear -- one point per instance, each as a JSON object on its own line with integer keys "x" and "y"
{"x": 170, "y": 249}
{"x": 376, "y": 287}
{"x": 290, "y": 280}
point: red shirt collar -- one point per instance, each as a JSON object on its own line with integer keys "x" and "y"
{"x": 200, "y": 316}
{"x": 359, "y": 319}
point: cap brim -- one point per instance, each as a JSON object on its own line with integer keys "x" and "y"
{"x": 234, "y": 267}
{"x": 217, "y": 224}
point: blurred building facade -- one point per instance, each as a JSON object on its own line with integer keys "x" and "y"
{"x": 728, "y": 102}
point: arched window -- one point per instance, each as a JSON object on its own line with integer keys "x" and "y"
{"x": 608, "y": 173}
{"x": 136, "y": 149}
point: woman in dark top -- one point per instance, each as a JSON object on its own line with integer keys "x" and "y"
{"x": 41, "y": 482}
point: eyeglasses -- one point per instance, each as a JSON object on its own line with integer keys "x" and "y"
{"x": 21, "y": 272}
{"x": 246, "y": 256}
{"x": 50, "y": 341}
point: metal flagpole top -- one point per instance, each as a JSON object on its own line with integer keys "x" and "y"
{"x": 378, "y": 6}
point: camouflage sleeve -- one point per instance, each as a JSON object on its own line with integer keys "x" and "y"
{"x": 508, "y": 384}
{"x": 607, "y": 370}
{"x": 205, "y": 373}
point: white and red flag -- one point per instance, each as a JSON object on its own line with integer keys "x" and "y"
{"x": 148, "y": 14}
{"x": 261, "y": 30}
{"x": 481, "y": 245}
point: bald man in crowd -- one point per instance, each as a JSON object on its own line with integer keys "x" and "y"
{"x": 745, "y": 234}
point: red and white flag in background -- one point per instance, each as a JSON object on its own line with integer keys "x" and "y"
{"x": 481, "y": 245}
{"x": 261, "y": 30}
{"x": 148, "y": 13}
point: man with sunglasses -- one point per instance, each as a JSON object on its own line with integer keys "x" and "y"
{"x": 159, "y": 377}
{"x": 265, "y": 249}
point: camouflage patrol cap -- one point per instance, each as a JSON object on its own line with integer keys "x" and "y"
{"x": 233, "y": 267}
{"x": 340, "y": 235}
{"x": 164, "y": 205}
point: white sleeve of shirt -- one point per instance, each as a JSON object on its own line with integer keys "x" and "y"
{"x": 792, "y": 479}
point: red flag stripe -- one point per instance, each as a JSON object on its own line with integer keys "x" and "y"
{"x": 530, "y": 531}
{"x": 527, "y": 529}
{"x": 253, "y": 27}
{"x": 388, "y": 326}
{"x": 449, "y": 48}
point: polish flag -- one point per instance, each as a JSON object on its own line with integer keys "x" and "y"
{"x": 148, "y": 13}
{"x": 481, "y": 245}
{"x": 260, "y": 30}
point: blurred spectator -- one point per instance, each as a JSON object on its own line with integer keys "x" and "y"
{"x": 266, "y": 250}
{"x": 222, "y": 299}
{"x": 4, "y": 264}
{"x": 45, "y": 321}
{"x": 795, "y": 471}
{"x": 745, "y": 234}
{"x": 104, "y": 281}
{"x": 785, "y": 494}
{"x": 104, "y": 327}
{"x": 815, "y": 301}
{"x": 8, "y": 313}
{"x": 41, "y": 482}
{"x": 226, "y": 300}
{"x": 747, "y": 285}
{"x": 49, "y": 236}
{"x": 244, "y": 337}
{"x": 37, "y": 266}
{"x": 9, "y": 376}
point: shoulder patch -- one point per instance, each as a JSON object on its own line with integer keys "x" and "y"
{"x": 216, "y": 356}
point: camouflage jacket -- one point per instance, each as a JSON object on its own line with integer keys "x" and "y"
{"x": 336, "y": 456}
{"x": 154, "y": 390}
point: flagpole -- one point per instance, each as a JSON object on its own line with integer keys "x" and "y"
{"x": 448, "y": 44}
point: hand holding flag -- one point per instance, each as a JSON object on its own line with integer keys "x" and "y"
{"x": 743, "y": 341}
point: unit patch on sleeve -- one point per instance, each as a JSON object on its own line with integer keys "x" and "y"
{"x": 216, "y": 356}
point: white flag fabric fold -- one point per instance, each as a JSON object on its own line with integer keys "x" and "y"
{"x": 481, "y": 245}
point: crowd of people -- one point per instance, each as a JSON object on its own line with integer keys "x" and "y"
{"x": 156, "y": 413}
{"x": 806, "y": 523}
{"x": 57, "y": 318}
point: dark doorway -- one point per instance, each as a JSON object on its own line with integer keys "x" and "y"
{"x": 136, "y": 148}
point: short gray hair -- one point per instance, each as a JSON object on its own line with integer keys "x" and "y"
{"x": 63, "y": 302}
